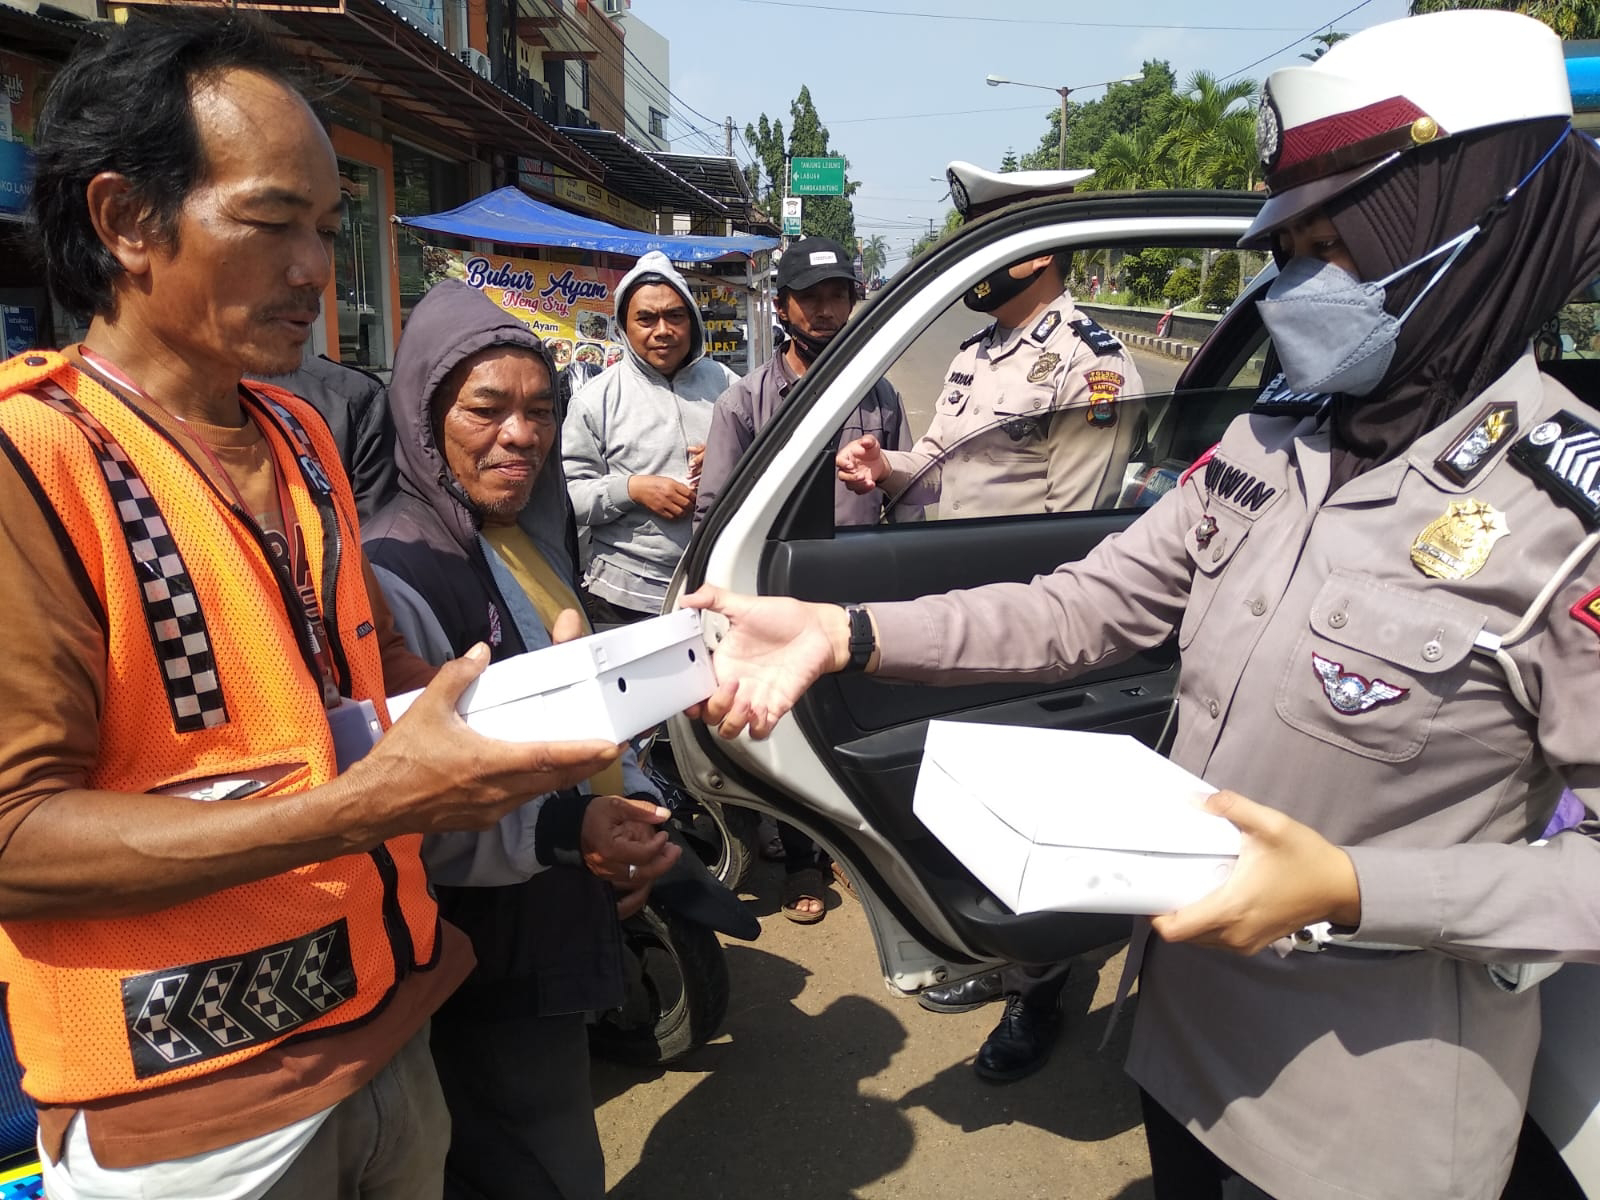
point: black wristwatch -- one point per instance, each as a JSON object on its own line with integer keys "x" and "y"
{"x": 862, "y": 640}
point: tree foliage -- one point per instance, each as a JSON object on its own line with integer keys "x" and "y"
{"x": 825, "y": 216}
{"x": 874, "y": 255}
{"x": 1221, "y": 287}
{"x": 1325, "y": 42}
{"x": 1183, "y": 285}
{"x": 1569, "y": 18}
{"x": 1144, "y": 274}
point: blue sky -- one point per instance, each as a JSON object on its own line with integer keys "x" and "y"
{"x": 870, "y": 66}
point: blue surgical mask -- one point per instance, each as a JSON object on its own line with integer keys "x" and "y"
{"x": 1331, "y": 330}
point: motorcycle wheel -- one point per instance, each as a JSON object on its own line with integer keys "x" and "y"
{"x": 717, "y": 835}
{"x": 676, "y": 991}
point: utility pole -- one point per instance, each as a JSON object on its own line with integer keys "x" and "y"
{"x": 1061, "y": 150}
{"x": 727, "y": 136}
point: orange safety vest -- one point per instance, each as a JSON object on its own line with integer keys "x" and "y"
{"x": 209, "y": 674}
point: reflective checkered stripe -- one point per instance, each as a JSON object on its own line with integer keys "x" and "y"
{"x": 183, "y": 1015}
{"x": 316, "y": 477}
{"x": 171, "y": 611}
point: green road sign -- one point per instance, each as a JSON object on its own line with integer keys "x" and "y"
{"x": 816, "y": 177}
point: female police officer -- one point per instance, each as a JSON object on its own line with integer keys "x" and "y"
{"x": 1389, "y": 638}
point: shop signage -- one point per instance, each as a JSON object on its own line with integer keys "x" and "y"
{"x": 816, "y": 176}
{"x": 567, "y": 305}
{"x": 22, "y": 84}
{"x": 543, "y": 178}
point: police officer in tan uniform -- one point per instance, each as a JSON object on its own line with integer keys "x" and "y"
{"x": 1040, "y": 412}
{"x": 1385, "y": 585}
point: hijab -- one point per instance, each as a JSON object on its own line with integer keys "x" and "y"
{"x": 1534, "y": 254}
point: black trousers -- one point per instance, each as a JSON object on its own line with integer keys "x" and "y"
{"x": 1181, "y": 1168}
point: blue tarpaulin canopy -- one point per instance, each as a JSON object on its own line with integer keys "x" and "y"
{"x": 517, "y": 219}
{"x": 1583, "y": 75}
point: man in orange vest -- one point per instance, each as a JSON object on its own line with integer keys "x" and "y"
{"x": 219, "y": 948}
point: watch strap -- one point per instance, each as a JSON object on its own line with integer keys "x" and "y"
{"x": 862, "y": 640}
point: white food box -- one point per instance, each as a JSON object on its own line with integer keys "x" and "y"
{"x": 610, "y": 685}
{"x": 1057, "y": 820}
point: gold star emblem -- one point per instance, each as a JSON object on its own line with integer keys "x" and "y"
{"x": 1456, "y": 545}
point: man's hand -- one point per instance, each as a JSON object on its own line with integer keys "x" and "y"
{"x": 630, "y": 898}
{"x": 620, "y": 840}
{"x": 661, "y": 494}
{"x": 431, "y": 773}
{"x": 775, "y": 648}
{"x": 862, "y": 464}
{"x": 697, "y": 460}
{"x": 1288, "y": 876}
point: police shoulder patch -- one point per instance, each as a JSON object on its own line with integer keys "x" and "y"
{"x": 979, "y": 336}
{"x": 1562, "y": 456}
{"x": 1587, "y": 610}
{"x": 1278, "y": 399}
{"x": 1095, "y": 337}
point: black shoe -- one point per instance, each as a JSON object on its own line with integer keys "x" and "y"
{"x": 1021, "y": 1043}
{"x": 964, "y": 996}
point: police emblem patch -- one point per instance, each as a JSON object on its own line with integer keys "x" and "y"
{"x": 1469, "y": 452}
{"x": 1043, "y": 367}
{"x": 1046, "y": 326}
{"x": 1587, "y": 610}
{"x": 1350, "y": 693}
{"x": 1104, "y": 388}
{"x": 1457, "y": 544}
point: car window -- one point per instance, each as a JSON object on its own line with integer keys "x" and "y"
{"x": 1062, "y": 416}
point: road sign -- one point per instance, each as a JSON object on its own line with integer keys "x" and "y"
{"x": 792, "y": 209}
{"x": 816, "y": 177}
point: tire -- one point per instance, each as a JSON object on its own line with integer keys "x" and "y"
{"x": 717, "y": 835}
{"x": 676, "y": 995}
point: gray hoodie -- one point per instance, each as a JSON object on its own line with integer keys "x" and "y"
{"x": 632, "y": 420}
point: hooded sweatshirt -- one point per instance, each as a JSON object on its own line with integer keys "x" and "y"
{"x": 632, "y": 420}
{"x": 547, "y": 944}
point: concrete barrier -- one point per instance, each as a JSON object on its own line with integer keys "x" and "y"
{"x": 1184, "y": 327}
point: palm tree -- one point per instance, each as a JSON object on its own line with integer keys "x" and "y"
{"x": 1196, "y": 120}
{"x": 1129, "y": 161}
{"x": 874, "y": 255}
{"x": 1325, "y": 42}
{"x": 1569, "y": 18}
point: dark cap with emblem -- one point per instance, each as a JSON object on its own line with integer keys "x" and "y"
{"x": 977, "y": 193}
{"x": 1384, "y": 92}
{"x": 810, "y": 260}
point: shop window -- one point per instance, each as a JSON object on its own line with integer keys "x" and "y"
{"x": 423, "y": 183}
{"x": 358, "y": 268}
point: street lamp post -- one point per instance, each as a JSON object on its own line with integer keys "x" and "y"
{"x": 1063, "y": 92}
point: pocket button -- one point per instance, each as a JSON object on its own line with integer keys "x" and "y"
{"x": 1213, "y": 707}
{"x": 1432, "y": 652}
{"x": 1338, "y": 619}
{"x": 1258, "y": 606}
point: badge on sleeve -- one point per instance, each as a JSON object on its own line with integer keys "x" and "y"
{"x": 1350, "y": 693}
{"x": 1104, "y": 388}
{"x": 1587, "y": 610}
{"x": 1043, "y": 367}
{"x": 1469, "y": 452}
{"x": 1457, "y": 544}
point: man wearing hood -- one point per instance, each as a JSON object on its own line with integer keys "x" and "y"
{"x": 479, "y": 546}
{"x": 634, "y": 440}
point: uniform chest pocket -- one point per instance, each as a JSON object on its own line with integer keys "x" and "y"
{"x": 1373, "y": 664}
{"x": 1212, "y": 542}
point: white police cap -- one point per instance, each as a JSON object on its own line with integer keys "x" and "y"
{"x": 976, "y": 192}
{"x": 1323, "y": 128}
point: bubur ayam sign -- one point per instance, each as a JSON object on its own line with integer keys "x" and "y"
{"x": 568, "y": 306}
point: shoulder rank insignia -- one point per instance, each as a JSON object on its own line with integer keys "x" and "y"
{"x": 1045, "y": 364}
{"x": 1278, "y": 399}
{"x": 1094, "y": 337}
{"x": 1587, "y": 610}
{"x": 1350, "y": 693}
{"x": 1563, "y": 457}
{"x": 1047, "y": 325}
{"x": 1467, "y": 455}
{"x": 1457, "y": 544}
{"x": 979, "y": 336}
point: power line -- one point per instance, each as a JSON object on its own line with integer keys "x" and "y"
{"x": 1297, "y": 41}
{"x": 930, "y": 16}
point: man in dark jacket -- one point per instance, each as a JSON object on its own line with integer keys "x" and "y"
{"x": 477, "y": 546}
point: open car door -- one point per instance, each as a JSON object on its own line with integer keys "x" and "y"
{"x": 843, "y": 766}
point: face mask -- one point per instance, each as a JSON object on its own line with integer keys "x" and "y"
{"x": 806, "y": 346}
{"x": 995, "y": 288}
{"x": 1331, "y": 330}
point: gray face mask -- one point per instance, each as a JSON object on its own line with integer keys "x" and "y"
{"x": 1330, "y": 329}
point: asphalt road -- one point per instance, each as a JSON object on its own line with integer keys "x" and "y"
{"x": 823, "y": 1086}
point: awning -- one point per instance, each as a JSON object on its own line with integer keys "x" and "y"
{"x": 639, "y": 177}
{"x": 517, "y": 219}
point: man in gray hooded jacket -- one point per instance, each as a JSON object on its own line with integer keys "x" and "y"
{"x": 633, "y": 441}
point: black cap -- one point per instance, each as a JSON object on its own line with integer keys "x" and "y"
{"x": 810, "y": 260}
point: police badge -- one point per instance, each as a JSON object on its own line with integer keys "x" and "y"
{"x": 1043, "y": 367}
{"x": 1457, "y": 544}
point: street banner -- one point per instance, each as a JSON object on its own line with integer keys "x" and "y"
{"x": 23, "y": 81}
{"x": 568, "y": 306}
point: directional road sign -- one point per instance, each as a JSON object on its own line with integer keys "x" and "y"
{"x": 816, "y": 177}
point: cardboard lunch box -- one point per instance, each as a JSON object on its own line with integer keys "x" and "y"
{"x": 1057, "y": 820}
{"x": 610, "y": 685}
